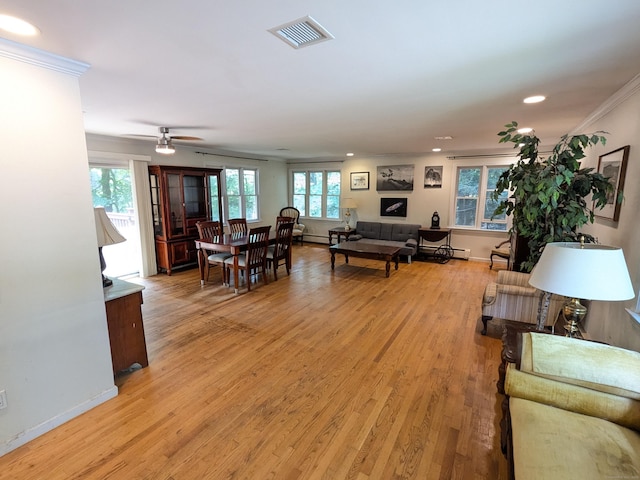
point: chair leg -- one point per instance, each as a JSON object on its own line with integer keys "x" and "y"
{"x": 485, "y": 319}
{"x": 491, "y": 262}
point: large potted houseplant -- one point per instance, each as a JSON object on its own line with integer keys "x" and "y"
{"x": 548, "y": 196}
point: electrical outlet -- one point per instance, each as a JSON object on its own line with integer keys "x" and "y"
{"x": 3, "y": 399}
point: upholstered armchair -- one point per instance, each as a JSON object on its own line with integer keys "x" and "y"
{"x": 298, "y": 228}
{"x": 512, "y": 298}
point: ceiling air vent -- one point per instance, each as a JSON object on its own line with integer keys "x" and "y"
{"x": 302, "y": 32}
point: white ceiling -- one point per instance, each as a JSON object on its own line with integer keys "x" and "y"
{"x": 397, "y": 74}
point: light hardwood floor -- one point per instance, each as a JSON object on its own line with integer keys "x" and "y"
{"x": 320, "y": 375}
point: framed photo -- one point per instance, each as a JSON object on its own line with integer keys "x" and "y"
{"x": 359, "y": 180}
{"x": 433, "y": 177}
{"x": 395, "y": 178}
{"x": 614, "y": 166}
{"x": 393, "y": 207}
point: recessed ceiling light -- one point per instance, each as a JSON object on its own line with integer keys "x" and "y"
{"x": 535, "y": 99}
{"x": 349, "y": 154}
{"x": 525, "y": 130}
{"x": 436, "y": 149}
{"x": 444, "y": 137}
{"x": 17, "y": 26}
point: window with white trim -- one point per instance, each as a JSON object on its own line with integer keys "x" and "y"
{"x": 240, "y": 199}
{"x": 474, "y": 206}
{"x": 316, "y": 193}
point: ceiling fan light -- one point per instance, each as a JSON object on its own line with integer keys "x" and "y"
{"x": 165, "y": 147}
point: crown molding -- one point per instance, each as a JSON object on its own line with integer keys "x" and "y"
{"x": 611, "y": 103}
{"x": 40, "y": 58}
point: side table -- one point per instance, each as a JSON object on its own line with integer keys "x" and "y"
{"x": 339, "y": 232}
{"x": 124, "y": 320}
{"x": 442, "y": 253}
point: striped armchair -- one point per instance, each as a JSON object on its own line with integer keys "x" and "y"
{"x": 512, "y": 298}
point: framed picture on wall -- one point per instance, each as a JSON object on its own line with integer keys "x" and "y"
{"x": 393, "y": 207}
{"x": 359, "y": 180}
{"x": 395, "y": 177}
{"x": 614, "y": 166}
{"x": 433, "y": 177}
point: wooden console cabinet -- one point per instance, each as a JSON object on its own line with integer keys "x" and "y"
{"x": 126, "y": 330}
{"x": 181, "y": 197}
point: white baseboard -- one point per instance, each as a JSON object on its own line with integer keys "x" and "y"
{"x": 30, "y": 434}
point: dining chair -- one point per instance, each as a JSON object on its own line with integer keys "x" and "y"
{"x": 238, "y": 225}
{"x": 212, "y": 229}
{"x": 282, "y": 248}
{"x": 298, "y": 228}
{"x": 254, "y": 259}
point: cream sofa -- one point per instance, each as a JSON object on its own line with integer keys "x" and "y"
{"x": 511, "y": 297}
{"x": 573, "y": 410}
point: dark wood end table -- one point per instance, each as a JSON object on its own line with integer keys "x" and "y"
{"x": 340, "y": 232}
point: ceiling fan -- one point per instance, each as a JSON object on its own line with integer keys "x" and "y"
{"x": 165, "y": 146}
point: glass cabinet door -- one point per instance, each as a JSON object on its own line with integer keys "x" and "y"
{"x": 156, "y": 208}
{"x": 176, "y": 222}
{"x": 195, "y": 200}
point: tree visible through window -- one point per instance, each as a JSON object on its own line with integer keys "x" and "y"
{"x": 316, "y": 194}
{"x": 473, "y": 205}
{"x": 241, "y": 193}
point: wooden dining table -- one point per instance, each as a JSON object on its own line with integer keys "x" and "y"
{"x": 234, "y": 243}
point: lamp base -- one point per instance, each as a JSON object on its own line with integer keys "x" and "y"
{"x": 573, "y": 312}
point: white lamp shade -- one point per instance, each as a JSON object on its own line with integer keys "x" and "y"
{"x": 589, "y": 271}
{"x": 348, "y": 203}
{"x": 107, "y": 233}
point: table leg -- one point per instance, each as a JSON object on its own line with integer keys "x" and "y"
{"x": 333, "y": 260}
{"x": 397, "y": 258}
{"x": 235, "y": 273}
{"x": 346, "y": 258}
{"x": 387, "y": 267}
{"x": 201, "y": 265}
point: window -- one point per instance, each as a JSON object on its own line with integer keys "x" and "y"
{"x": 473, "y": 204}
{"x": 111, "y": 188}
{"x": 241, "y": 193}
{"x": 317, "y": 193}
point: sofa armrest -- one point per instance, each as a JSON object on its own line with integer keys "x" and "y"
{"x": 574, "y": 398}
{"x": 527, "y": 291}
{"x": 412, "y": 243}
{"x": 591, "y": 365}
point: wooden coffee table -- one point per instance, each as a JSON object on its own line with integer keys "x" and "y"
{"x": 366, "y": 250}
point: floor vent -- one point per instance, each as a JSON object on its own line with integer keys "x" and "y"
{"x": 302, "y": 32}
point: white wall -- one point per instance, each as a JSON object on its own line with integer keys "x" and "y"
{"x": 55, "y": 361}
{"x": 422, "y": 202}
{"x": 608, "y": 321}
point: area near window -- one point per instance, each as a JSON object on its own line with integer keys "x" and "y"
{"x": 241, "y": 193}
{"x": 316, "y": 193}
{"x": 473, "y": 204}
{"x": 111, "y": 189}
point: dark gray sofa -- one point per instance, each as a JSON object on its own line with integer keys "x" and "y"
{"x": 402, "y": 235}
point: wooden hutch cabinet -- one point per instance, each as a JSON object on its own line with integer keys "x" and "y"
{"x": 181, "y": 197}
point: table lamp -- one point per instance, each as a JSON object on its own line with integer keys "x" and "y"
{"x": 580, "y": 271}
{"x": 348, "y": 203}
{"x": 107, "y": 235}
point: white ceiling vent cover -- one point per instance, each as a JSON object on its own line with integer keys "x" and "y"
{"x": 302, "y": 32}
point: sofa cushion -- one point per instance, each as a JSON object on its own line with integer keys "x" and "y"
{"x": 551, "y": 443}
{"x": 401, "y": 232}
{"x": 385, "y": 231}
{"x": 368, "y": 229}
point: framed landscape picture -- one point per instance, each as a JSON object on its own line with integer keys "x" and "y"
{"x": 395, "y": 178}
{"x": 359, "y": 180}
{"x": 614, "y": 166}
